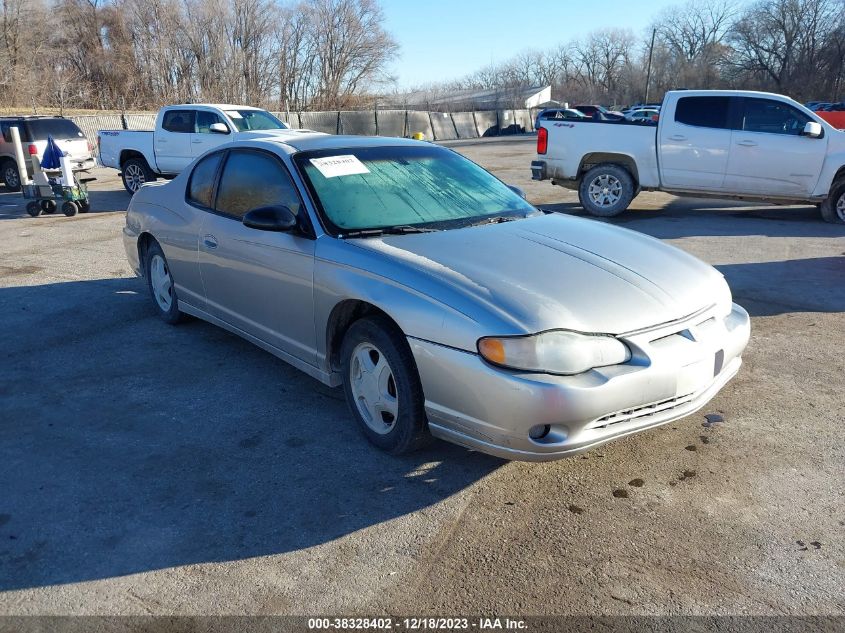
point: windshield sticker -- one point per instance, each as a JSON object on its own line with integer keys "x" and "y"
{"x": 333, "y": 166}
{"x": 234, "y": 114}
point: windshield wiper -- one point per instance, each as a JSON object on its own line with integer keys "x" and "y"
{"x": 387, "y": 230}
{"x": 496, "y": 219}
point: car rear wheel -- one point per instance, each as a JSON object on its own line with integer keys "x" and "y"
{"x": 160, "y": 284}
{"x": 135, "y": 172}
{"x": 10, "y": 175}
{"x": 382, "y": 386}
{"x": 833, "y": 209}
{"x": 606, "y": 190}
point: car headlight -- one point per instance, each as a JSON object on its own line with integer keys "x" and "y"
{"x": 554, "y": 352}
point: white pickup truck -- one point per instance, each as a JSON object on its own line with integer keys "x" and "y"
{"x": 727, "y": 144}
{"x": 182, "y": 132}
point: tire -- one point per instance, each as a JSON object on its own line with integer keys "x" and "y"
{"x": 34, "y": 209}
{"x": 48, "y": 206}
{"x": 134, "y": 173}
{"x": 377, "y": 364}
{"x": 70, "y": 209}
{"x": 833, "y": 209}
{"x": 84, "y": 205}
{"x": 10, "y": 175}
{"x": 606, "y": 190}
{"x": 160, "y": 285}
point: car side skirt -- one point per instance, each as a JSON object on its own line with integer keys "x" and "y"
{"x": 332, "y": 379}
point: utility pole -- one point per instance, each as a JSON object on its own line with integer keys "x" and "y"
{"x": 648, "y": 72}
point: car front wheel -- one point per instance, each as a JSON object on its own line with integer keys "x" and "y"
{"x": 833, "y": 209}
{"x": 382, "y": 386}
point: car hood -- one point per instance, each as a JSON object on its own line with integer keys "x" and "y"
{"x": 554, "y": 271}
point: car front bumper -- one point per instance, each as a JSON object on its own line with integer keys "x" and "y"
{"x": 675, "y": 370}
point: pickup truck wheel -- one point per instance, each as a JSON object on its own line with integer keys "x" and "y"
{"x": 833, "y": 209}
{"x": 10, "y": 175}
{"x": 136, "y": 172}
{"x": 606, "y": 190}
{"x": 382, "y": 386}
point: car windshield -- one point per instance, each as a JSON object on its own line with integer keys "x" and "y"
{"x": 404, "y": 186}
{"x": 246, "y": 120}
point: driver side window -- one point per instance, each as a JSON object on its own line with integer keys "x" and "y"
{"x": 772, "y": 117}
{"x": 254, "y": 179}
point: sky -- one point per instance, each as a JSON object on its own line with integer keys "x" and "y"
{"x": 447, "y": 39}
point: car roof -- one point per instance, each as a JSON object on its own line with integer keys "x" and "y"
{"x": 307, "y": 140}
{"x": 219, "y": 106}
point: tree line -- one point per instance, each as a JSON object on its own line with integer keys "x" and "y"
{"x": 335, "y": 54}
{"x": 795, "y": 47}
{"x": 139, "y": 54}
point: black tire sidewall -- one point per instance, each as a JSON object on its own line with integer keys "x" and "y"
{"x": 173, "y": 315}
{"x": 618, "y": 172}
{"x": 410, "y": 430}
{"x": 828, "y": 207}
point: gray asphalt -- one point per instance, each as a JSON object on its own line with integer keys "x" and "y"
{"x": 146, "y": 468}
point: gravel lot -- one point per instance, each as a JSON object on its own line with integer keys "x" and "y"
{"x": 152, "y": 469}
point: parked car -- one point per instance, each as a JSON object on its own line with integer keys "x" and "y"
{"x": 559, "y": 114}
{"x": 599, "y": 112}
{"x": 34, "y": 131}
{"x": 181, "y": 134}
{"x": 732, "y": 144}
{"x": 643, "y": 114}
{"x": 441, "y": 300}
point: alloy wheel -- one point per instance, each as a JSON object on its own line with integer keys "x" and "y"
{"x": 605, "y": 190}
{"x": 134, "y": 177}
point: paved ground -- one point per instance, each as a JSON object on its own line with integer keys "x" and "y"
{"x": 152, "y": 469}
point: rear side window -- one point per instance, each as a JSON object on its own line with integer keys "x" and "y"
{"x": 201, "y": 185}
{"x": 704, "y": 111}
{"x": 40, "y": 129}
{"x": 181, "y": 121}
{"x": 772, "y": 117}
{"x": 254, "y": 179}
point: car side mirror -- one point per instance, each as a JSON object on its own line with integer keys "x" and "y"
{"x": 218, "y": 128}
{"x": 273, "y": 218}
{"x": 812, "y": 129}
{"x": 518, "y": 191}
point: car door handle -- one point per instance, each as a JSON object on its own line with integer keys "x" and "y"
{"x": 161, "y": 140}
{"x": 747, "y": 143}
{"x": 210, "y": 241}
{"x": 197, "y": 141}
{"x": 677, "y": 137}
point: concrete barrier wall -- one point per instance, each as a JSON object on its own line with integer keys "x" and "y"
{"x": 444, "y": 129}
{"x": 465, "y": 124}
{"x": 419, "y": 122}
{"x": 391, "y": 123}
{"x": 486, "y": 123}
{"x": 319, "y": 121}
{"x": 365, "y": 122}
{"x": 361, "y": 123}
{"x": 523, "y": 120}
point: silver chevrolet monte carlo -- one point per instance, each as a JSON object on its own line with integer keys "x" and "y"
{"x": 442, "y": 301}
